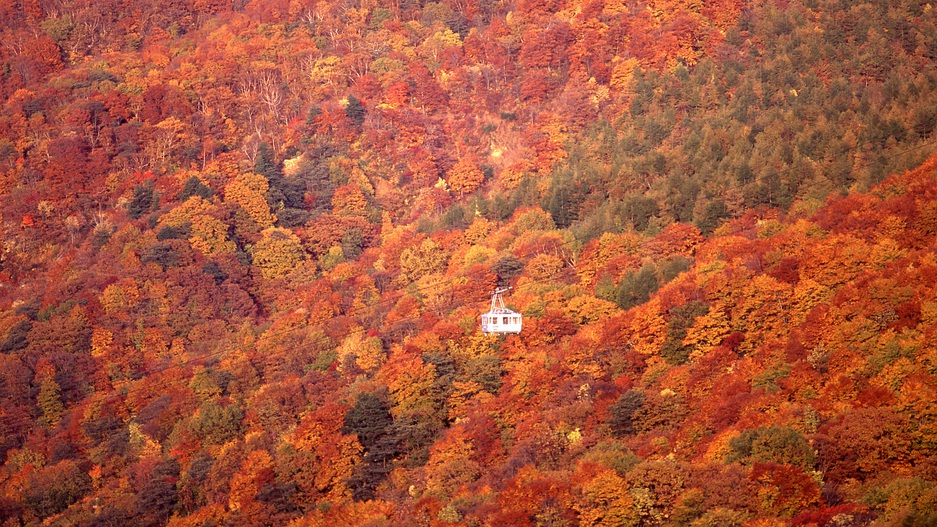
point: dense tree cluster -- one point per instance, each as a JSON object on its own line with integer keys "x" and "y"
{"x": 245, "y": 246}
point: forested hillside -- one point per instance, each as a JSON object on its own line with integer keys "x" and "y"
{"x": 245, "y": 247}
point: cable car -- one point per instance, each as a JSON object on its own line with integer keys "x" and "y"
{"x": 500, "y": 319}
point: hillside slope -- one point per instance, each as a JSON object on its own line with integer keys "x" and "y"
{"x": 785, "y": 371}
{"x": 246, "y": 247}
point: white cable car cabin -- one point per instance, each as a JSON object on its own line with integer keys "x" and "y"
{"x": 500, "y": 319}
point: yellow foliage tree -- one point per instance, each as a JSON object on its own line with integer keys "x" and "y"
{"x": 623, "y": 76}
{"x": 247, "y": 191}
{"x": 595, "y": 256}
{"x": 450, "y": 463}
{"x": 551, "y": 151}
{"x": 544, "y": 267}
{"x": 604, "y": 499}
{"x": 587, "y": 308}
{"x": 365, "y": 352}
{"x": 464, "y": 394}
{"x": 709, "y": 330}
{"x": 256, "y": 471}
{"x": 477, "y": 231}
{"x": 514, "y": 173}
{"x": 580, "y": 356}
{"x": 101, "y": 341}
{"x": 426, "y": 259}
{"x": 762, "y": 308}
{"x": 534, "y": 220}
{"x": 349, "y": 200}
{"x": 412, "y": 386}
{"x": 650, "y": 329}
{"x": 478, "y": 254}
{"x": 433, "y": 47}
{"x": 464, "y": 177}
{"x": 278, "y": 252}
{"x": 470, "y": 348}
{"x": 121, "y": 295}
{"x": 185, "y": 211}
{"x": 371, "y": 354}
{"x": 807, "y": 295}
{"x": 210, "y": 236}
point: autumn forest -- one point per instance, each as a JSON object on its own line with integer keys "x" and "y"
{"x": 245, "y": 246}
